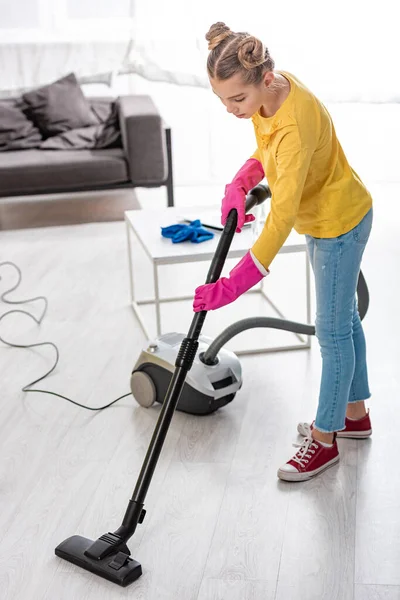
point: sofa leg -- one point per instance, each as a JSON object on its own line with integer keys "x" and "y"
{"x": 170, "y": 179}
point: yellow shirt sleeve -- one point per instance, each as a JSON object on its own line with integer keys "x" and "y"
{"x": 256, "y": 155}
{"x": 292, "y": 165}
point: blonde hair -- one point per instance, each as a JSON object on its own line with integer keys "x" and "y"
{"x": 232, "y": 53}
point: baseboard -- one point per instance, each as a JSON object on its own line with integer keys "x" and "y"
{"x": 66, "y": 209}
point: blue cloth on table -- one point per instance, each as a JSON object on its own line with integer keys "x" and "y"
{"x": 182, "y": 232}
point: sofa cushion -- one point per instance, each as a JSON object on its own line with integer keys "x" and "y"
{"x": 59, "y": 106}
{"x": 16, "y": 131}
{"x": 45, "y": 171}
{"x": 83, "y": 138}
{"x": 110, "y": 133}
{"x": 105, "y": 135}
{"x": 102, "y": 107}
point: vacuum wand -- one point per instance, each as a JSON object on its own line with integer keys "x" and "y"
{"x": 109, "y": 556}
{"x": 183, "y": 364}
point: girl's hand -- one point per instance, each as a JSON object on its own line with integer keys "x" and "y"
{"x": 245, "y": 179}
{"x": 235, "y": 197}
{"x": 224, "y": 291}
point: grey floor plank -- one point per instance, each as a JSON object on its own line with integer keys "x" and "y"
{"x": 318, "y": 546}
{"x": 212, "y": 438}
{"x": 248, "y": 537}
{"x": 51, "y": 414}
{"x": 377, "y": 592}
{"x": 111, "y": 497}
{"x": 378, "y": 524}
{"x": 178, "y": 536}
{"x": 218, "y": 589}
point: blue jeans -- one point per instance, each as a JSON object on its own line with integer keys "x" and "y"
{"x": 336, "y": 265}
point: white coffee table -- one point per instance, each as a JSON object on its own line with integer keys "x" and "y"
{"x": 145, "y": 225}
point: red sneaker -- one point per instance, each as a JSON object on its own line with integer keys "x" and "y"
{"x": 311, "y": 459}
{"x": 359, "y": 429}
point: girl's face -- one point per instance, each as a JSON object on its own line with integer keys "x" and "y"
{"x": 240, "y": 99}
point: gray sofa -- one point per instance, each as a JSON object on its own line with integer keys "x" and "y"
{"x": 145, "y": 159}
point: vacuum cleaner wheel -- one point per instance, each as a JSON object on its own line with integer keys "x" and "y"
{"x": 143, "y": 388}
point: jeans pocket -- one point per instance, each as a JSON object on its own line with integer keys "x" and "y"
{"x": 361, "y": 232}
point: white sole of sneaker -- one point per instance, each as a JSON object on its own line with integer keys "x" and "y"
{"x": 296, "y": 476}
{"x": 305, "y": 430}
{"x": 357, "y": 435}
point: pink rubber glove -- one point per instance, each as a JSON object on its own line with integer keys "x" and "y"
{"x": 224, "y": 291}
{"x": 235, "y": 193}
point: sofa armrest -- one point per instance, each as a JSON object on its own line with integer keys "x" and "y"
{"x": 143, "y": 139}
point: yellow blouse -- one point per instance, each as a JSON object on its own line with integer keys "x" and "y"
{"x": 313, "y": 187}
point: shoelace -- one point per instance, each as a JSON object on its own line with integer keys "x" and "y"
{"x": 306, "y": 451}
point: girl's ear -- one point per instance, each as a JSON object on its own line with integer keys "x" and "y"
{"x": 268, "y": 78}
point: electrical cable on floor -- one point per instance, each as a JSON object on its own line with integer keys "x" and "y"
{"x": 27, "y": 387}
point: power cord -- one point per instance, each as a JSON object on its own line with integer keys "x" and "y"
{"x": 38, "y": 321}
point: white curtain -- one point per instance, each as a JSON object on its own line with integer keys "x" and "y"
{"x": 41, "y": 40}
{"x": 346, "y": 50}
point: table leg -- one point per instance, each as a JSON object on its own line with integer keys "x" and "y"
{"x": 128, "y": 235}
{"x": 305, "y": 341}
{"x": 157, "y": 299}
{"x": 135, "y": 305}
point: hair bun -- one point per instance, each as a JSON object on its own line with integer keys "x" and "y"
{"x": 251, "y": 52}
{"x": 217, "y": 34}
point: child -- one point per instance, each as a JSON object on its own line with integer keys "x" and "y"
{"x": 315, "y": 191}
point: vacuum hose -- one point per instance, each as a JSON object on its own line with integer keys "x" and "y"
{"x": 210, "y": 355}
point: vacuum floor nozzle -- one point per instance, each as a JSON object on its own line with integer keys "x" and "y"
{"x": 117, "y": 566}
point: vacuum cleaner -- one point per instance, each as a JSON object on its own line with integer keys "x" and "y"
{"x": 211, "y": 386}
{"x": 216, "y": 373}
{"x": 109, "y": 556}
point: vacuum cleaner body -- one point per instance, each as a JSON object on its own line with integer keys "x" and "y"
{"x": 207, "y": 387}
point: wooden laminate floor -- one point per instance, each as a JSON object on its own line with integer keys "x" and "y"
{"x": 219, "y": 524}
